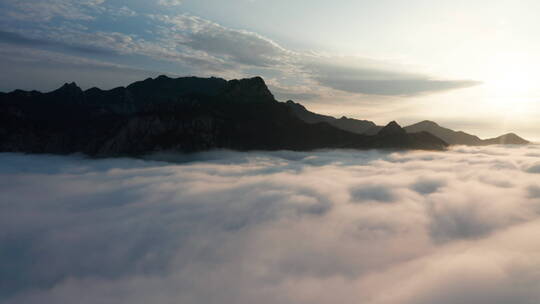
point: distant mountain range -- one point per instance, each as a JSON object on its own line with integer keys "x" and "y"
{"x": 461, "y": 138}
{"x": 190, "y": 114}
{"x": 370, "y": 128}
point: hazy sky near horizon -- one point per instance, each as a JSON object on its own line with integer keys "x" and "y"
{"x": 471, "y": 65}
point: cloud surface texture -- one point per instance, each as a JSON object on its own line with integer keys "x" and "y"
{"x": 273, "y": 227}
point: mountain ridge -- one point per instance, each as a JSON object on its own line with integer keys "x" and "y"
{"x": 186, "y": 114}
{"x": 370, "y": 128}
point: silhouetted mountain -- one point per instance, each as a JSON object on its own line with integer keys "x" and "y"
{"x": 461, "y": 138}
{"x": 181, "y": 114}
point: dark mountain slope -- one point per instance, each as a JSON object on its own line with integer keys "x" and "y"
{"x": 348, "y": 124}
{"x": 182, "y": 114}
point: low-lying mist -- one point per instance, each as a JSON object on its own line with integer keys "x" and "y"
{"x": 224, "y": 227}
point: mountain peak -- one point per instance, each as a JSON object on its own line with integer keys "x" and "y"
{"x": 392, "y": 128}
{"x": 69, "y": 88}
{"x": 508, "y": 139}
{"x": 295, "y": 105}
{"x": 393, "y": 123}
{"x": 249, "y": 89}
{"x": 428, "y": 123}
{"x": 70, "y": 85}
{"x": 163, "y": 77}
{"x": 256, "y": 81}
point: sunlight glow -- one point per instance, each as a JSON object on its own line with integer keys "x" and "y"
{"x": 510, "y": 75}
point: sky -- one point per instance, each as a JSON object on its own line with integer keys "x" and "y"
{"x": 469, "y": 65}
{"x": 318, "y": 227}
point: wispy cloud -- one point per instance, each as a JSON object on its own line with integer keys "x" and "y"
{"x": 169, "y": 2}
{"x": 241, "y": 47}
{"x": 41, "y": 11}
{"x": 200, "y": 46}
{"x": 349, "y": 74}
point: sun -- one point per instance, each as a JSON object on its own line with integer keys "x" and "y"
{"x": 510, "y": 75}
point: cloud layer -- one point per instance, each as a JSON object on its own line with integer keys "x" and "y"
{"x": 279, "y": 227}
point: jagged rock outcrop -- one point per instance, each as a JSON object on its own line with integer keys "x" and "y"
{"x": 180, "y": 114}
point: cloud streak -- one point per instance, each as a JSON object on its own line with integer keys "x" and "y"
{"x": 271, "y": 227}
{"x": 44, "y": 11}
{"x": 364, "y": 76}
{"x": 169, "y": 2}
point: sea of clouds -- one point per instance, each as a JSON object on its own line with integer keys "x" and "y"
{"x": 373, "y": 227}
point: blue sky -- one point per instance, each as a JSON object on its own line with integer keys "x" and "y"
{"x": 379, "y": 60}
